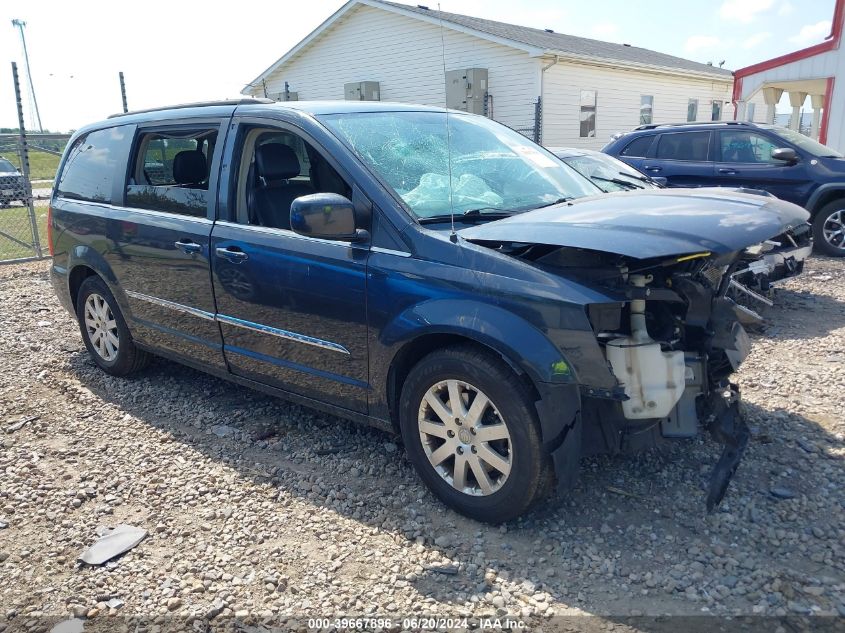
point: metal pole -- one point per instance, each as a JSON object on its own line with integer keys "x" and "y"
{"x": 123, "y": 91}
{"x": 20, "y": 24}
{"x": 24, "y": 153}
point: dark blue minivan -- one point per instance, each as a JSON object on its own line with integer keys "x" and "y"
{"x": 770, "y": 158}
{"x": 435, "y": 274}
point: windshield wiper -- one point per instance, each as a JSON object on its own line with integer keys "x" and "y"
{"x": 471, "y": 215}
{"x": 551, "y": 204}
{"x": 618, "y": 181}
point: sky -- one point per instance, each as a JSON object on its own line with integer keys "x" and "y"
{"x": 179, "y": 51}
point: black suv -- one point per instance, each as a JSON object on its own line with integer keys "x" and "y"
{"x": 783, "y": 162}
{"x": 437, "y": 275}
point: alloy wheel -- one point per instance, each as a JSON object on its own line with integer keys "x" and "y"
{"x": 465, "y": 438}
{"x": 101, "y": 327}
{"x": 833, "y": 229}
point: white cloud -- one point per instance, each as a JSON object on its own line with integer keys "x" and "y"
{"x": 756, "y": 39}
{"x": 744, "y": 11}
{"x": 698, "y": 43}
{"x": 785, "y": 8}
{"x": 812, "y": 33}
{"x": 605, "y": 30}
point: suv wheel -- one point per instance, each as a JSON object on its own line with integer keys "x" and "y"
{"x": 471, "y": 432}
{"x": 829, "y": 229}
{"x": 104, "y": 330}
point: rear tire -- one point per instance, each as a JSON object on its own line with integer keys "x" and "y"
{"x": 483, "y": 457}
{"x": 829, "y": 229}
{"x": 104, "y": 330}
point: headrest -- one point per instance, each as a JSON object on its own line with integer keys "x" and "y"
{"x": 189, "y": 167}
{"x": 275, "y": 161}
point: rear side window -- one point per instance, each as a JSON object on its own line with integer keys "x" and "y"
{"x": 170, "y": 170}
{"x": 638, "y": 147}
{"x": 89, "y": 170}
{"x": 693, "y": 146}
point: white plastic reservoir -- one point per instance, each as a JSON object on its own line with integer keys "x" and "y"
{"x": 654, "y": 380}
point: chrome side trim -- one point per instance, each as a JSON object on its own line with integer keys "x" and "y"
{"x": 146, "y": 212}
{"x": 291, "y": 336}
{"x": 269, "y": 230}
{"x": 388, "y": 251}
{"x": 164, "y": 303}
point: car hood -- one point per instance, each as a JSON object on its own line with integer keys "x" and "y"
{"x": 650, "y": 223}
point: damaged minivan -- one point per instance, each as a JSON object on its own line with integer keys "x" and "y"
{"x": 430, "y": 272}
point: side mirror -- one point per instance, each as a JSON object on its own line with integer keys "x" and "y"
{"x": 660, "y": 181}
{"x": 786, "y": 154}
{"x": 327, "y": 216}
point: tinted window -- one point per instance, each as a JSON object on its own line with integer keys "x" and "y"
{"x": 170, "y": 171}
{"x": 6, "y": 167}
{"x": 684, "y": 146}
{"x": 638, "y": 147}
{"x": 89, "y": 170}
{"x": 746, "y": 147}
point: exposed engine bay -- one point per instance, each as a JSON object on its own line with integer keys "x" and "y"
{"x": 676, "y": 270}
{"x": 672, "y": 344}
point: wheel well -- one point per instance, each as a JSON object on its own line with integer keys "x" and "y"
{"x": 415, "y": 350}
{"x": 77, "y": 276}
{"x": 827, "y": 197}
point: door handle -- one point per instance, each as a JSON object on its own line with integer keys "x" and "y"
{"x": 653, "y": 169}
{"x": 188, "y": 247}
{"x": 232, "y": 253}
{"x": 730, "y": 172}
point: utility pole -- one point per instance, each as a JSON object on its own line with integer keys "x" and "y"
{"x": 123, "y": 92}
{"x": 20, "y": 24}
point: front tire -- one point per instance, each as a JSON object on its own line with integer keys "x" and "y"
{"x": 471, "y": 431}
{"x": 829, "y": 229}
{"x": 104, "y": 330}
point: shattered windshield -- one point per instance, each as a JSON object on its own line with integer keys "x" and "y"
{"x": 493, "y": 168}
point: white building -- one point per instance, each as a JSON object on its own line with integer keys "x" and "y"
{"x": 810, "y": 75}
{"x": 588, "y": 90}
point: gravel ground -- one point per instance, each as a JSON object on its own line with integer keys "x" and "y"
{"x": 259, "y": 508}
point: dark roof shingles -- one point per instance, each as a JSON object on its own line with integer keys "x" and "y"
{"x": 568, "y": 44}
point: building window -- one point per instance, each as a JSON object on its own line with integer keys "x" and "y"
{"x": 646, "y": 107}
{"x": 588, "y": 114}
{"x": 749, "y": 111}
{"x": 716, "y": 112}
{"x": 692, "y": 110}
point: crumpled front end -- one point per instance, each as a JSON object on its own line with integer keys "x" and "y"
{"x": 672, "y": 342}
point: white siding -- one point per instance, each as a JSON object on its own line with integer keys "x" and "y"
{"x": 404, "y": 55}
{"x": 618, "y": 101}
{"x": 828, "y": 64}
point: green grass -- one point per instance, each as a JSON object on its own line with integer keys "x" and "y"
{"x": 42, "y": 166}
{"x": 14, "y": 223}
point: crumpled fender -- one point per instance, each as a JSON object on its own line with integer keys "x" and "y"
{"x": 514, "y": 338}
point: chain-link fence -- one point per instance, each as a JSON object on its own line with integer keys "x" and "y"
{"x": 24, "y": 201}
{"x": 28, "y": 164}
{"x": 534, "y": 130}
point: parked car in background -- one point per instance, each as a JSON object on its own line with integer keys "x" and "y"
{"x": 12, "y": 183}
{"x": 607, "y": 173}
{"x": 434, "y": 274}
{"x": 765, "y": 264}
{"x": 785, "y": 163}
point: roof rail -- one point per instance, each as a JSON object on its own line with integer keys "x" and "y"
{"x": 198, "y": 104}
{"x": 651, "y": 126}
